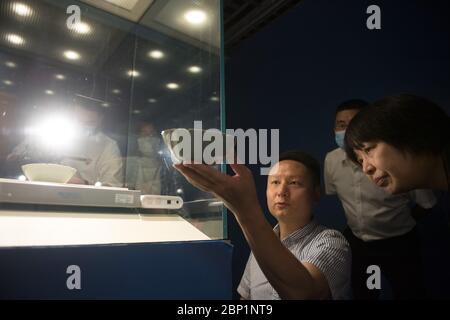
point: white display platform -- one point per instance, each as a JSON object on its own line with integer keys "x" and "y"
{"x": 31, "y": 228}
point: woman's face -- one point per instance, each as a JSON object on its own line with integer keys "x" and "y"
{"x": 389, "y": 168}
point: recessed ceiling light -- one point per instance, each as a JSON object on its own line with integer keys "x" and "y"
{"x": 10, "y": 64}
{"x": 15, "y": 39}
{"x": 49, "y": 92}
{"x": 60, "y": 76}
{"x": 71, "y": 55}
{"x": 156, "y": 54}
{"x": 194, "y": 69}
{"x": 173, "y": 86}
{"x": 133, "y": 73}
{"x": 106, "y": 105}
{"x": 151, "y": 100}
{"x": 116, "y": 91}
{"x": 8, "y": 82}
{"x": 81, "y": 27}
{"x": 195, "y": 17}
{"x": 22, "y": 9}
{"x": 214, "y": 99}
{"x": 136, "y": 111}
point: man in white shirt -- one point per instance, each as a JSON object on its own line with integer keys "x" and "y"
{"x": 96, "y": 157}
{"x": 381, "y": 229}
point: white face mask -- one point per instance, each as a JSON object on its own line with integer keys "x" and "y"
{"x": 148, "y": 146}
{"x": 87, "y": 131}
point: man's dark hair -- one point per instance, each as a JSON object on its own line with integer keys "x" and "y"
{"x": 305, "y": 159}
{"x": 354, "y": 104}
{"x": 407, "y": 122}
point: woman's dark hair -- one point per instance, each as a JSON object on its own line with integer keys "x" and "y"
{"x": 407, "y": 122}
{"x": 305, "y": 159}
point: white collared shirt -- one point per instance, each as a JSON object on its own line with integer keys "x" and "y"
{"x": 372, "y": 213}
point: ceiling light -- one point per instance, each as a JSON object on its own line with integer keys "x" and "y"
{"x": 106, "y": 105}
{"x": 81, "y": 27}
{"x": 136, "y": 111}
{"x": 214, "y": 99}
{"x": 195, "y": 17}
{"x": 49, "y": 92}
{"x": 10, "y": 64}
{"x": 60, "y": 76}
{"x": 156, "y": 54}
{"x": 71, "y": 55}
{"x": 133, "y": 73}
{"x": 8, "y": 82}
{"x": 194, "y": 69}
{"x": 151, "y": 100}
{"x": 116, "y": 91}
{"x": 15, "y": 39}
{"x": 22, "y": 9}
{"x": 172, "y": 86}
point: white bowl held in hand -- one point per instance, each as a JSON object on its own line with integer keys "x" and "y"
{"x": 48, "y": 172}
{"x": 199, "y": 146}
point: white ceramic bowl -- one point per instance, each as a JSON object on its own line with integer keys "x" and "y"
{"x": 175, "y": 137}
{"x": 48, "y": 172}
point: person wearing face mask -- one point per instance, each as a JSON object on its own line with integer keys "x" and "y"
{"x": 96, "y": 156}
{"x": 381, "y": 227}
{"x": 149, "y": 162}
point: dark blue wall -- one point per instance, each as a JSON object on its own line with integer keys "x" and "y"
{"x": 293, "y": 73}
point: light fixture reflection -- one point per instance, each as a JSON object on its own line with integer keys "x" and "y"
{"x": 116, "y": 91}
{"x": 194, "y": 69}
{"x": 49, "y": 92}
{"x": 15, "y": 39}
{"x": 71, "y": 55}
{"x": 156, "y": 54}
{"x": 10, "y": 64}
{"x": 8, "y": 82}
{"x": 173, "y": 86}
{"x": 133, "y": 73}
{"x": 81, "y": 28}
{"x": 151, "y": 100}
{"x": 195, "y": 17}
{"x": 22, "y": 9}
{"x": 56, "y": 131}
{"x": 60, "y": 76}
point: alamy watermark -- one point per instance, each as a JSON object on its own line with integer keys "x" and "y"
{"x": 212, "y": 146}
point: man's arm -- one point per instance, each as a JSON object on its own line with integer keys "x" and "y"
{"x": 289, "y": 277}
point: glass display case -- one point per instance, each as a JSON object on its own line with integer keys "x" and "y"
{"x": 90, "y": 85}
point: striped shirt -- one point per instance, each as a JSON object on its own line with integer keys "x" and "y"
{"x": 324, "y": 248}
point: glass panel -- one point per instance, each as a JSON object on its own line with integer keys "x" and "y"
{"x": 95, "y": 94}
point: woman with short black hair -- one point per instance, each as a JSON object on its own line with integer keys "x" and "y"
{"x": 402, "y": 143}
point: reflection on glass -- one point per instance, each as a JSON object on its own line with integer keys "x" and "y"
{"x": 96, "y": 96}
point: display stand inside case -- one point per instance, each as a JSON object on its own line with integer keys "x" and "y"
{"x": 119, "y": 256}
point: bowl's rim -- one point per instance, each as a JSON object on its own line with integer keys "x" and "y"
{"x": 49, "y": 164}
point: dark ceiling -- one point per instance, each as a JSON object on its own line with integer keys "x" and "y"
{"x": 243, "y": 18}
